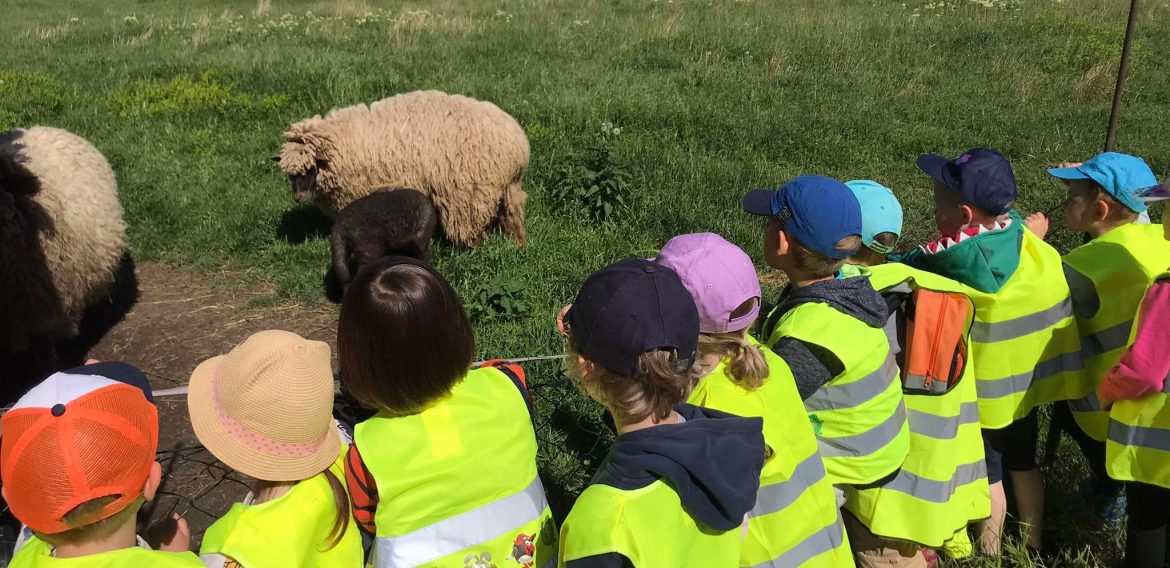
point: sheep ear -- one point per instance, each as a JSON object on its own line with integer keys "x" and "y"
{"x": 276, "y": 158}
{"x": 322, "y": 163}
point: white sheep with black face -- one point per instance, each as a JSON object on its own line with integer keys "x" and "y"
{"x": 62, "y": 237}
{"x": 467, "y": 156}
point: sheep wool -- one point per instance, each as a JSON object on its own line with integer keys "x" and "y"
{"x": 468, "y": 156}
{"x": 61, "y": 233}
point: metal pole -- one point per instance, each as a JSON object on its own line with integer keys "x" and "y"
{"x": 1115, "y": 113}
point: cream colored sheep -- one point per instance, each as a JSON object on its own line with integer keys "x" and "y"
{"x": 61, "y": 234}
{"x": 468, "y": 156}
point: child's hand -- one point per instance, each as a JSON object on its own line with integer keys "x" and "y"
{"x": 1038, "y": 224}
{"x": 561, "y": 319}
{"x": 170, "y": 535}
{"x": 1069, "y": 165}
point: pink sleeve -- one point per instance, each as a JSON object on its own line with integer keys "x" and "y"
{"x": 1145, "y": 365}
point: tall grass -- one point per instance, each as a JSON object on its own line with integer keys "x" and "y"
{"x": 188, "y": 100}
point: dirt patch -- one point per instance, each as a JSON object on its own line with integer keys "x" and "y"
{"x": 180, "y": 319}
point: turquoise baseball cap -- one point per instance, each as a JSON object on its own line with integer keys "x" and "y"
{"x": 880, "y": 212}
{"x": 1120, "y": 175}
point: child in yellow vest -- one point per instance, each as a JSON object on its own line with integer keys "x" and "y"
{"x": 265, "y": 410}
{"x": 1138, "y": 450}
{"x": 1107, "y": 277}
{"x": 829, "y": 330}
{"x": 78, "y": 463}
{"x": 795, "y": 521}
{"x": 444, "y": 474}
{"x": 1024, "y": 336}
{"x": 943, "y": 483}
{"x": 675, "y": 487}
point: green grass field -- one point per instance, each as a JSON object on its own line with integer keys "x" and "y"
{"x": 188, "y": 101}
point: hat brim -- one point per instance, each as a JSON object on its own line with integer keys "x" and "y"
{"x": 934, "y": 166}
{"x": 759, "y": 202}
{"x": 214, "y": 435}
{"x": 1068, "y": 173}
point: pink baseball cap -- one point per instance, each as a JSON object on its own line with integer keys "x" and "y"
{"x": 719, "y": 276}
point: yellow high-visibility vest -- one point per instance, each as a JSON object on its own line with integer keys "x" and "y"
{"x": 37, "y": 553}
{"x": 1111, "y": 275}
{"x": 647, "y": 525}
{"x": 457, "y": 482}
{"x": 292, "y": 530}
{"x": 942, "y": 485}
{"x": 1138, "y": 448}
{"x": 863, "y": 432}
{"x": 795, "y": 521}
{"x": 1024, "y": 341}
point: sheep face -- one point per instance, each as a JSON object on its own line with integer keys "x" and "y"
{"x": 303, "y": 185}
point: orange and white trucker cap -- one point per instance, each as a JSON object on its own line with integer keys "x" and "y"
{"x": 81, "y": 434}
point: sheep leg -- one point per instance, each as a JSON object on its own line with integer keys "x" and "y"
{"x": 340, "y": 251}
{"x": 511, "y": 214}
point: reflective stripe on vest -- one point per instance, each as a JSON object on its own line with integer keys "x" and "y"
{"x": 937, "y": 491}
{"x": 849, "y": 395}
{"x": 1019, "y": 384}
{"x": 867, "y": 442}
{"x": 464, "y": 530}
{"x": 828, "y": 538}
{"x": 942, "y": 427}
{"x": 1109, "y": 276}
{"x": 1006, "y": 330}
{"x": 795, "y": 500}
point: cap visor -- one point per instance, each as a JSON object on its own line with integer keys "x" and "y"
{"x": 1160, "y": 192}
{"x": 1067, "y": 173}
{"x": 933, "y": 165}
{"x": 758, "y": 202}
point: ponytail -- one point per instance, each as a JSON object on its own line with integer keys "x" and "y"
{"x": 747, "y": 366}
{"x": 342, "y": 512}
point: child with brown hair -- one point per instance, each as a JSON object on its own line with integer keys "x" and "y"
{"x": 675, "y": 487}
{"x": 795, "y": 521}
{"x": 265, "y": 410}
{"x": 445, "y": 473}
{"x": 78, "y": 461}
{"x": 829, "y": 330}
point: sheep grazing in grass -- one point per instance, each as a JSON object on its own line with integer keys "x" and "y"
{"x": 468, "y": 156}
{"x": 387, "y": 222}
{"x": 62, "y": 238}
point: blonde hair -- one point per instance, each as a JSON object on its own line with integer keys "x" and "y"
{"x": 659, "y": 382}
{"x": 866, "y": 256}
{"x": 84, "y": 526}
{"x": 816, "y": 265}
{"x": 746, "y": 364}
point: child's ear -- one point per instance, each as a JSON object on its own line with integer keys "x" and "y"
{"x": 783, "y": 243}
{"x": 968, "y": 214}
{"x": 152, "y": 481}
{"x": 1102, "y": 210}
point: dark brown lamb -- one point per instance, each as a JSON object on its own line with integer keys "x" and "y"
{"x": 387, "y": 222}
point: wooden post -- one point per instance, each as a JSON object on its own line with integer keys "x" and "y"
{"x": 1115, "y": 113}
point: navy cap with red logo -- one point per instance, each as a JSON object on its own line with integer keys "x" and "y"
{"x": 979, "y": 176}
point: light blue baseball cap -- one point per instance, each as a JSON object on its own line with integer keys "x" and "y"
{"x": 1120, "y": 175}
{"x": 880, "y": 212}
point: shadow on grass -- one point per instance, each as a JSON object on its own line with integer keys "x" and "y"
{"x": 303, "y": 223}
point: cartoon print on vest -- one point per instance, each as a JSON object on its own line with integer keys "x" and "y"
{"x": 523, "y": 550}
{"x": 481, "y": 560}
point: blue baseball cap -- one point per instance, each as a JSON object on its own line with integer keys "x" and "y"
{"x": 980, "y": 176}
{"x": 880, "y": 212}
{"x": 1120, "y": 175}
{"x": 816, "y": 210}
{"x": 631, "y": 307}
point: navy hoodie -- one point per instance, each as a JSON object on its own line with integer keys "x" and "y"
{"x": 711, "y": 459}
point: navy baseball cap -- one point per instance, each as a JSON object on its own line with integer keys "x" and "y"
{"x": 117, "y": 371}
{"x": 980, "y": 176}
{"x": 816, "y": 210}
{"x": 629, "y": 308}
{"x": 1120, "y": 175}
